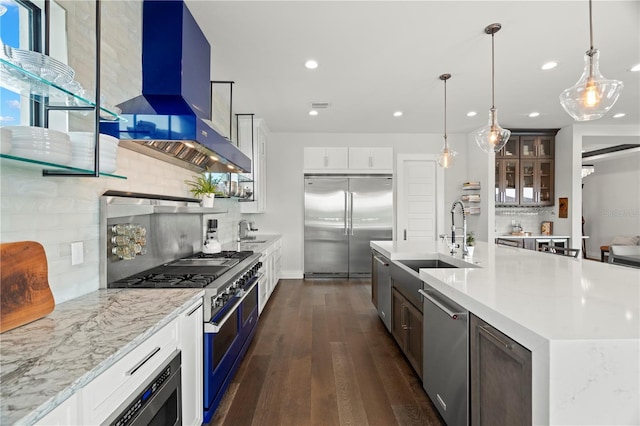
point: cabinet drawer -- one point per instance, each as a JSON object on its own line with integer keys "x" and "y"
{"x": 111, "y": 388}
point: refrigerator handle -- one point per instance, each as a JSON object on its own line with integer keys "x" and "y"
{"x": 346, "y": 213}
{"x": 351, "y": 211}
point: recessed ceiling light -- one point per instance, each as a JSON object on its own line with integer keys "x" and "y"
{"x": 534, "y": 114}
{"x": 635, "y": 68}
{"x": 313, "y": 112}
{"x": 397, "y": 114}
{"x": 549, "y": 65}
{"x": 311, "y": 64}
{"x": 619, "y": 115}
{"x": 230, "y": 166}
{"x": 214, "y": 158}
{"x": 471, "y": 114}
{"x": 188, "y": 144}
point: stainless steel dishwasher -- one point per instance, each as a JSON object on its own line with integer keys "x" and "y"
{"x": 445, "y": 369}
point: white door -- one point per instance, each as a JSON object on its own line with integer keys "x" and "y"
{"x": 419, "y": 193}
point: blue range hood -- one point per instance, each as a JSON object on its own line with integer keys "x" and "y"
{"x": 170, "y": 120}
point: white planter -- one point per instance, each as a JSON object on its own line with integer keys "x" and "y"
{"x": 470, "y": 250}
{"x": 207, "y": 200}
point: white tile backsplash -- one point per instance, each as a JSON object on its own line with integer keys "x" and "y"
{"x": 57, "y": 211}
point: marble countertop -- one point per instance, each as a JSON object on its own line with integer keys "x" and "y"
{"x": 555, "y": 297}
{"x": 45, "y": 362}
{"x": 579, "y": 318}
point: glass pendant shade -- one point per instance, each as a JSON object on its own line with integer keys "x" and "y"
{"x": 593, "y": 95}
{"x": 447, "y": 156}
{"x": 492, "y": 137}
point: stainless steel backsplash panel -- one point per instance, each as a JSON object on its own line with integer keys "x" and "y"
{"x": 169, "y": 235}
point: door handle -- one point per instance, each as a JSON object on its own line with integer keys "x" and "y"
{"x": 452, "y": 315}
{"x": 351, "y": 211}
{"x": 485, "y": 329}
{"x": 346, "y": 214}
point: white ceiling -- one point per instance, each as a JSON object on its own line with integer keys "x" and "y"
{"x": 377, "y": 57}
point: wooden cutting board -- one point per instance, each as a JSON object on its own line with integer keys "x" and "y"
{"x": 25, "y": 295}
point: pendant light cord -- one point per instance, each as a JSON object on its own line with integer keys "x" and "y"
{"x": 445, "y": 113}
{"x": 590, "y": 27}
{"x": 493, "y": 76}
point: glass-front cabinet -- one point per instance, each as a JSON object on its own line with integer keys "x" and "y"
{"x": 536, "y": 146}
{"x": 507, "y": 182}
{"x": 536, "y": 182}
{"x": 525, "y": 169}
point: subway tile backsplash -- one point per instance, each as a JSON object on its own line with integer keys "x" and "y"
{"x": 56, "y": 211}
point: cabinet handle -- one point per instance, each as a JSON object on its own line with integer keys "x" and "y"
{"x": 452, "y": 315}
{"x": 404, "y": 325}
{"x": 194, "y": 310}
{"x": 379, "y": 260}
{"x": 144, "y": 360}
{"x": 405, "y": 235}
{"x": 485, "y": 329}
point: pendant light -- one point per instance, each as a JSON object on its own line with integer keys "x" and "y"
{"x": 492, "y": 137}
{"x": 593, "y": 95}
{"x": 447, "y": 155}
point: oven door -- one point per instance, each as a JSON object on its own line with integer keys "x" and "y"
{"x": 222, "y": 344}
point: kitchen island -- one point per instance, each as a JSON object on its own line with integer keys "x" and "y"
{"x": 49, "y": 360}
{"x": 580, "y": 319}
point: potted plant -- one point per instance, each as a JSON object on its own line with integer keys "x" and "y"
{"x": 204, "y": 186}
{"x": 471, "y": 242}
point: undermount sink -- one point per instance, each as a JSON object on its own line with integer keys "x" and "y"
{"x": 426, "y": 263}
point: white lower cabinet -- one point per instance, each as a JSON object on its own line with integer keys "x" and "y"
{"x": 191, "y": 332}
{"x": 271, "y": 269}
{"x": 106, "y": 393}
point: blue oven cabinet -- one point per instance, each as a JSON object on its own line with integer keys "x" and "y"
{"x": 224, "y": 351}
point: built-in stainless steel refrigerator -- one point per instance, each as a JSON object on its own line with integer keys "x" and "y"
{"x": 342, "y": 215}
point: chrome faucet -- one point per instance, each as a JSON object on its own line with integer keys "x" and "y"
{"x": 465, "y": 250}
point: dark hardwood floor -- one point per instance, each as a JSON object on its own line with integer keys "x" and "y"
{"x": 321, "y": 356}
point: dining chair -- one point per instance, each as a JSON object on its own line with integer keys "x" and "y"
{"x": 562, "y": 251}
{"x": 510, "y": 243}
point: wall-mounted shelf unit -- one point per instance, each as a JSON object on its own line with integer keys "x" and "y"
{"x": 27, "y": 84}
{"x": 471, "y": 200}
{"x": 30, "y": 163}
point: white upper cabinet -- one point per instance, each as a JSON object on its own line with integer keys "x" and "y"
{"x": 323, "y": 160}
{"x": 371, "y": 160}
{"x": 348, "y": 160}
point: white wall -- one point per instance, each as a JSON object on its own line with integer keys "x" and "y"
{"x": 285, "y": 202}
{"x": 611, "y": 201}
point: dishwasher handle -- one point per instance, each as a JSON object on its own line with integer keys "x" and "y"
{"x": 452, "y": 315}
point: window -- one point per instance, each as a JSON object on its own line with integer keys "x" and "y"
{"x": 20, "y": 28}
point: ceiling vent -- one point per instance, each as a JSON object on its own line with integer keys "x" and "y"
{"x": 320, "y": 105}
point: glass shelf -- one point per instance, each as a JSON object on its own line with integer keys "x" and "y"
{"x": 28, "y": 161}
{"x": 19, "y": 80}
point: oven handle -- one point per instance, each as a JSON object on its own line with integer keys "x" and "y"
{"x": 214, "y": 327}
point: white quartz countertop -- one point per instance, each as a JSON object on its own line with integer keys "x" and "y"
{"x": 555, "y": 297}
{"x": 45, "y": 362}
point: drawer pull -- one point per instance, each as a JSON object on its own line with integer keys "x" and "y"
{"x": 141, "y": 363}
{"x": 194, "y": 309}
{"x": 485, "y": 329}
